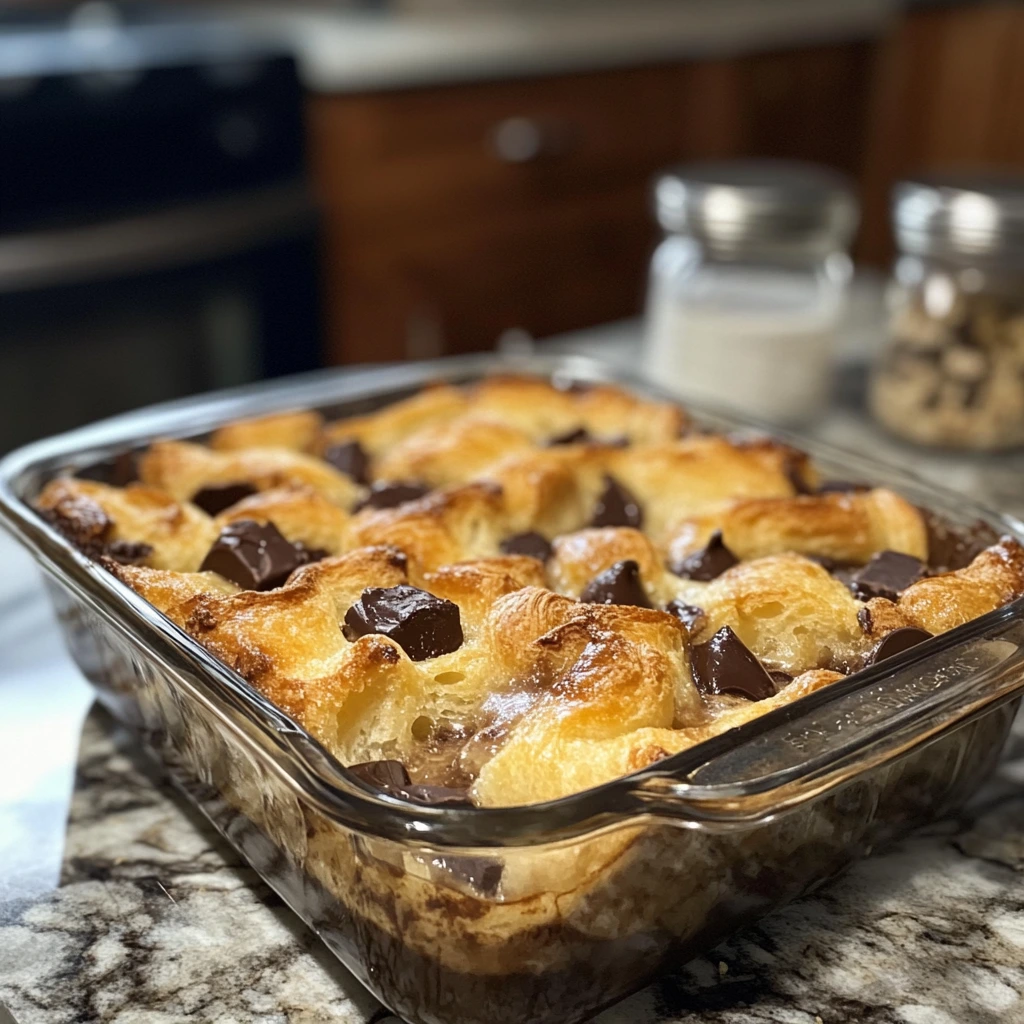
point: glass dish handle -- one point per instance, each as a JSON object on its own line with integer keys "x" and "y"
{"x": 815, "y": 744}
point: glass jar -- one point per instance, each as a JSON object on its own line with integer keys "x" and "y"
{"x": 952, "y": 373}
{"x": 749, "y": 284}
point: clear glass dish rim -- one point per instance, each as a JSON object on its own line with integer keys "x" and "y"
{"x": 287, "y": 750}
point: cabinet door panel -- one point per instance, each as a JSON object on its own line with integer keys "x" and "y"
{"x": 458, "y": 290}
{"x": 418, "y": 158}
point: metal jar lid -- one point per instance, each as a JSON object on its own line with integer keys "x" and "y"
{"x": 979, "y": 216}
{"x": 749, "y": 204}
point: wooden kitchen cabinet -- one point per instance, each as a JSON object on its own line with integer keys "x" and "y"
{"x": 950, "y": 93}
{"x": 452, "y": 214}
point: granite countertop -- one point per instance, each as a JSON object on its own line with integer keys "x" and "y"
{"x": 342, "y": 49}
{"x": 131, "y": 910}
{"x": 156, "y": 920}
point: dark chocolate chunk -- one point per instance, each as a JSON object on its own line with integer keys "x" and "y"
{"x": 844, "y": 573}
{"x": 616, "y": 506}
{"x": 127, "y": 552}
{"x": 350, "y": 458}
{"x": 306, "y": 556}
{"x": 841, "y": 487}
{"x": 707, "y": 564}
{"x": 726, "y": 665}
{"x": 828, "y": 564}
{"x": 530, "y": 543}
{"x": 619, "y": 584}
{"x": 391, "y": 494}
{"x": 387, "y": 775}
{"x": 424, "y": 626}
{"x": 952, "y": 547}
{"x": 483, "y": 873}
{"x": 898, "y": 641}
{"x": 780, "y": 679}
{"x": 692, "y": 617}
{"x": 864, "y": 618}
{"x": 887, "y": 575}
{"x": 217, "y": 497}
{"x": 118, "y": 471}
{"x": 579, "y": 435}
{"x": 254, "y": 555}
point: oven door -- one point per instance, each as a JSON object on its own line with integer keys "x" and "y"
{"x": 102, "y": 318}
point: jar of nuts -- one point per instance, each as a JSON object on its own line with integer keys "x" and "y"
{"x": 952, "y": 373}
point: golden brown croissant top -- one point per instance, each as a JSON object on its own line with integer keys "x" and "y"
{"x": 520, "y": 591}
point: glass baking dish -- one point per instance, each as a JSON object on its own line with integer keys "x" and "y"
{"x": 543, "y": 913}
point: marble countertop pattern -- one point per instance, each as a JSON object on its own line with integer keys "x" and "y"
{"x": 366, "y": 47}
{"x": 157, "y": 921}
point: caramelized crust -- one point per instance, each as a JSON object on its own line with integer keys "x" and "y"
{"x": 298, "y": 431}
{"x": 452, "y": 453}
{"x": 179, "y": 533}
{"x": 944, "y": 602}
{"x": 441, "y": 528}
{"x": 545, "y": 695}
{"x": 181, "y": 469}
{"x": 788, "y": 610}
{"x": 847, "y": 528}
{"x": 699, "y": 476}
{"x": 301, "y": 515}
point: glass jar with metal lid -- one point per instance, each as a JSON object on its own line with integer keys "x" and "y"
{"x": 749, "y": 283}
{"x": 952, "y": 373}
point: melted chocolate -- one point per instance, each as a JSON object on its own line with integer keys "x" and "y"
{"x": 898, "y": 641}
{"x": 707, "y": 564}
{"x": 255, "y": 556}
{"x": 579, "y": 435}
{"x": 128, "y": 552}
{"x": 350, "y": 458}
{"x": 217, "y": 497}
{"x": 530, "y": 543}
{"x": 726, "y": 665}
{"x": 617, "y": 506}
{"x": 692, "y": 617}
{"x": 619, "y": 584}
{"x": 483, "y": 873}
{"x": 887, "y": 575}
{"x": 393, "y": 777}
{"x": 387, "y": 775}
{"x": 424, "y": 626}
{"x": 391, "y": 494}
{"x": 89, "y": 530}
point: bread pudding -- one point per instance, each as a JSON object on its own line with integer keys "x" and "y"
{"x": 509, "y": 592}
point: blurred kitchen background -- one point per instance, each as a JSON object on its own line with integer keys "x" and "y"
{"x": 197, "y": 195}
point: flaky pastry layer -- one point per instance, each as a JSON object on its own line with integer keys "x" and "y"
{"x": 546, "y": 695}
